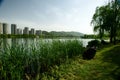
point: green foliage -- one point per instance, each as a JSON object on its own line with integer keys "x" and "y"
{"x": 23, "y": 62}
{"x": 92, "y": 36}
{"x": 93, "y": 43}
{"x": 66, "y": 34}
{"x": 107, "y": 20}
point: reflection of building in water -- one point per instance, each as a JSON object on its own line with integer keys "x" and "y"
{"x": 13, "y": 29}
{"x": 5, "y": 43}
{"x": 1, "y": 28}
{"x": 26, "y": 30}
{"x": 1, "y": 44}
{"x": 26, "y": 42}
{"x": 14, "y": 42}
{"x": 19, "y": 31}
{"x": 32, "y": 31}
{"x": 38, "y": 32}
{"x": 5, "y": 28}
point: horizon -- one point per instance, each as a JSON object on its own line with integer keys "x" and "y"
{"x": 67, "y": 15}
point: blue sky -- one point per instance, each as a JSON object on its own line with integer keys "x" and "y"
{"x": 50, "y": 15}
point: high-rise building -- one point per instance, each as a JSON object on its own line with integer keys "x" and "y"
{"x": 1, "y": 28}
{"x": 5, "y": 28}
{"x": 13, "y": 29}
{"x": 26, "y": 30}
{"x": 32, "y": 31}
{"x": 38, "y": 32}
{"x": 19, "y": 31}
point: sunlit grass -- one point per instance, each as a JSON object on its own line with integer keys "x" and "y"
{"x": 105, "y": 66}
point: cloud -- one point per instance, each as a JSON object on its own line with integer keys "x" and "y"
{"x": 51, "y": 15}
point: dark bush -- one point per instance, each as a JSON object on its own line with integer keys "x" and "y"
{"x": 93, "y": 43}
{"x": 89, "y": 54}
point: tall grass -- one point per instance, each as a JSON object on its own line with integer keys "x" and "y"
{"x": 22, "y": 62}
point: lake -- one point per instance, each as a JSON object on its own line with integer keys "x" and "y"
{"x": 28, "y": 41}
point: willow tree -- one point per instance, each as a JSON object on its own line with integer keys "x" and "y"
{"x": 99, "y": 20}
{"x": 107, "y": 20}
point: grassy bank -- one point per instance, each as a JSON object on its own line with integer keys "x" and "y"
{"x": 19, "y": 62}
{"x": 105, "y": 66}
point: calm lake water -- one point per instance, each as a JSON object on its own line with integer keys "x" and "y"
{"x": 29, "y": 41}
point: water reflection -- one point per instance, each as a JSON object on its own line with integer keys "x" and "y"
{"x": 5, "y": 42}
{"x": 27, "y": 42}
{"x": 14, "y": 42}
{"x": 0, "y": 44}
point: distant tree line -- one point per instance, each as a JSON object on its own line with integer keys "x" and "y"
{"x": 44, "y": 34}
{"x": 90, "y": 36}
{"x": 95, "y": 36}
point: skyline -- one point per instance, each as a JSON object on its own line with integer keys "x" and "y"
{"x": 67, "y": 15}
{"x": 14, "y": 30}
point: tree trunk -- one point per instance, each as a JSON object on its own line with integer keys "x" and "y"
{"x": 114, "y": 40}
{"x": 111, "y": 35}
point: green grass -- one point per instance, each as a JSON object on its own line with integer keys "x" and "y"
{"x": 30, "y": 62}
{"x": 58, "y": 60}
{"x": 105, "y": 66}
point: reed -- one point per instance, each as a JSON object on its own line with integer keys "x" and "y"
{"x": 22, "y": 62}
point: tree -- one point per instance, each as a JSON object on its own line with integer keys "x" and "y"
{"x": 99, "y": 20}
{"x": 107, "y": 20}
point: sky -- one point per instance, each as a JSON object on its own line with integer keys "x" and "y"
{"x": 50, "y": 15}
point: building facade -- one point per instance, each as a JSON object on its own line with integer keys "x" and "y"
{"x": 32, "y": 31}
{"x": 13, "y": 29}
{"x": 5, "y": 28}
{"x": 1, "y": 28}
{"x": 19, "y": 31}
{"x": 38, "y": 32}
{"x": 26, "y": 30}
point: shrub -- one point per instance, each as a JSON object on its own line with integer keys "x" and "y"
{"x": 93, "y": 43}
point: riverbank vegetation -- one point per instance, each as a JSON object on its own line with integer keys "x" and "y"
{"x": 104, "y": 66}
{"x": 95, "y": 36}
{"x": 23, "y": 61}
{"x": 62, "y": 60}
